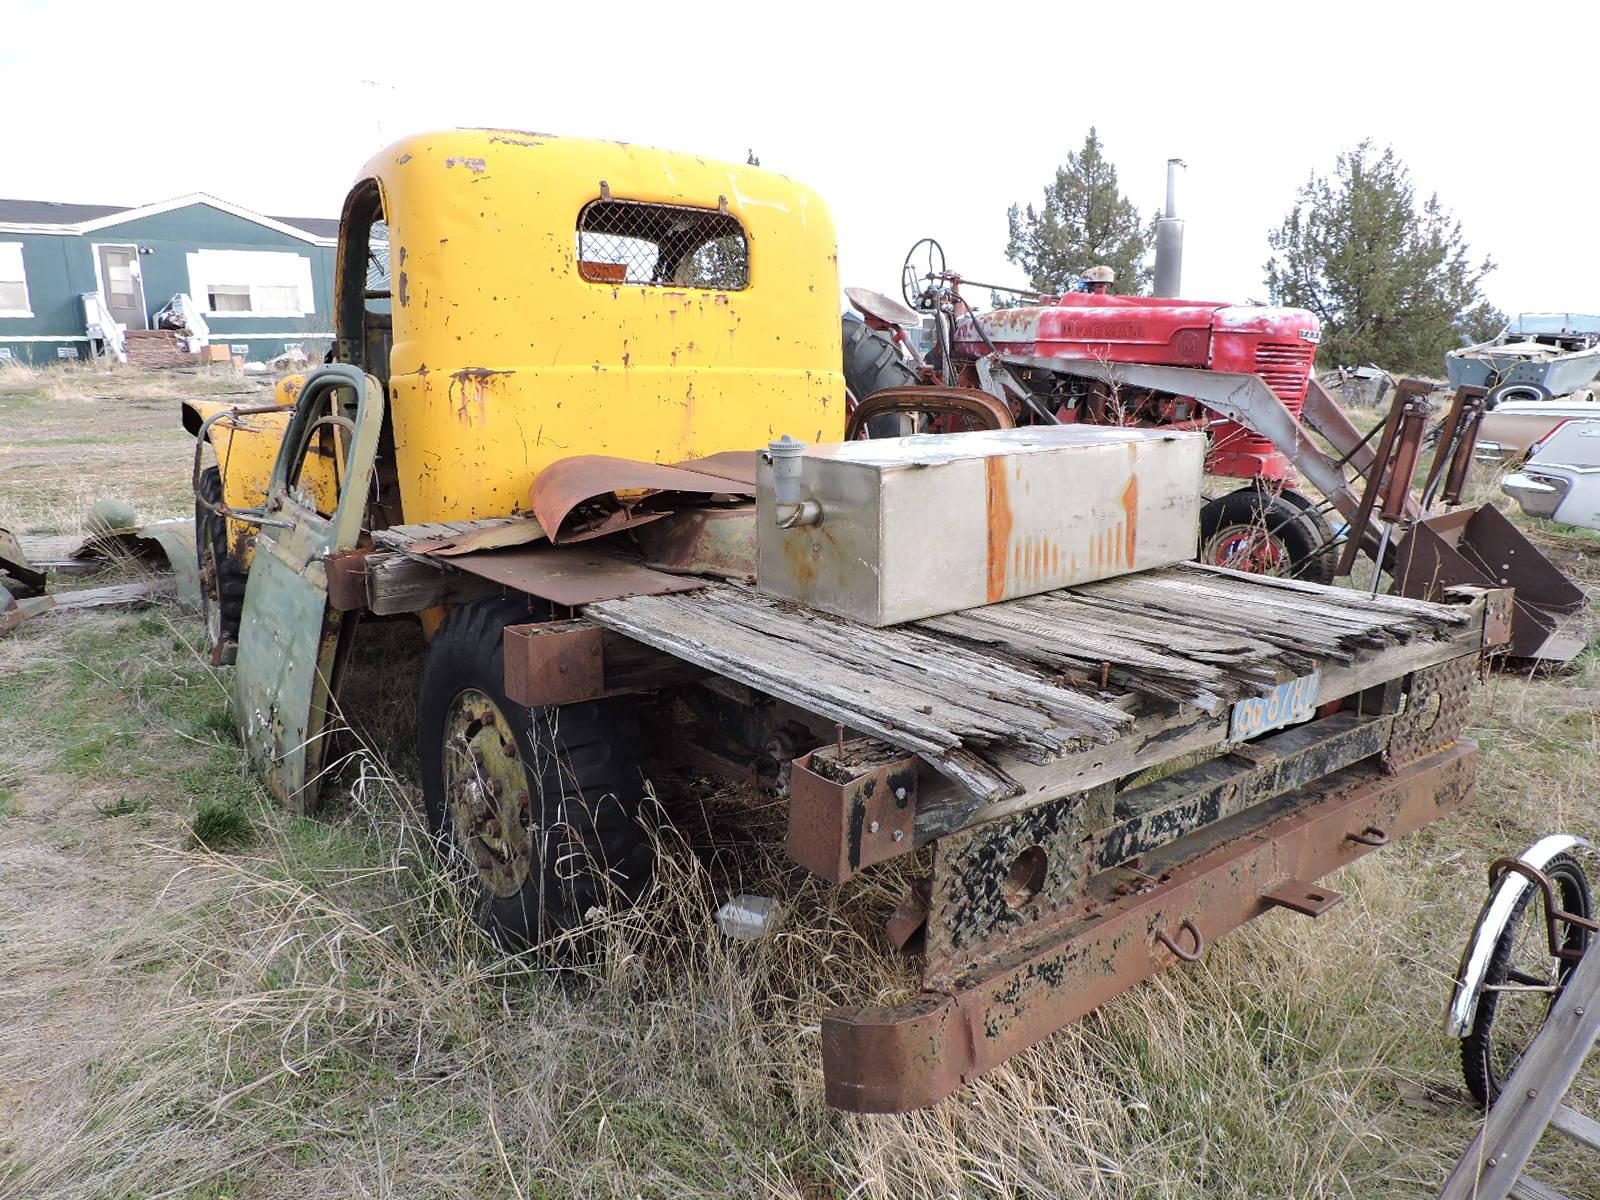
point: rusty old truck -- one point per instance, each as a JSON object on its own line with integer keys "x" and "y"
{"x": 584, "y": 420}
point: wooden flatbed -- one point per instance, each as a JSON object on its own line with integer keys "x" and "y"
{"x": 1070, "y": 686}
{"x": 1296, "y": 727}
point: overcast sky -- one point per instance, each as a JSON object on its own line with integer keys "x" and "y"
{"x": 909, "y": 119}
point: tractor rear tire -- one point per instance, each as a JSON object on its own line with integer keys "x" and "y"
{"x": 540, "y": 809}
{"x": 222, "y": 576}
{"x": 1267, "y": 534}
{"x": 873, "y": 362}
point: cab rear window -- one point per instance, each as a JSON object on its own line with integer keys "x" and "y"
{"x": 662, "y": 245}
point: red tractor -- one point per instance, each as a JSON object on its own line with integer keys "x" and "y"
{"x": 1052, "y": 357}
{"x": 1241, "y": 373}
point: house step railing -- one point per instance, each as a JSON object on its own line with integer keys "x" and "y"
{"x": 103, "y": 329}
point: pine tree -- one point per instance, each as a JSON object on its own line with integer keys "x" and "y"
{"x": 1392, "y": 281}
{"x": 1085, "y": 222}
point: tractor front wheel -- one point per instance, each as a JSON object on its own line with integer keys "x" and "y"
{"x": 540, "y": 809}
{"x": 1267, "y": 534}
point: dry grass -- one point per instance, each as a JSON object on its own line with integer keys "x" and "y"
{"x": 315, "y": 1014}
{"x": 74, "y": 434}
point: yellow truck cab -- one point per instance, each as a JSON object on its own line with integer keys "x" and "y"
{"x": 542, "y": 297}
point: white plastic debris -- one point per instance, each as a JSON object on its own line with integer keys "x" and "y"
{"x": 746, "y": 917}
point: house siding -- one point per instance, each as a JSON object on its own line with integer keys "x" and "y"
{"x": 60, "y": 267}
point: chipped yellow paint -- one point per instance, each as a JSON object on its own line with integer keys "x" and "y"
{"x": 505, "y": 359}
{"x": 246, "y": 448}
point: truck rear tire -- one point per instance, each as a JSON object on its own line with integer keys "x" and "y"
{"x": 1267, "y": 534}
{"x": 873, "y": 362}
{"x": 541, "y": 808}
{"x": 222, "y": 575}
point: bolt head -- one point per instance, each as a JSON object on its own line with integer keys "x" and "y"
{"x": 873, "y": 828}
{"x": 1533, "y": 1093}
{"x": 898, "y": 834}
{"x": 899, "y": 793}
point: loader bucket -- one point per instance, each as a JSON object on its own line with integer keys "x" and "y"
{"x": 1481, "y": 548}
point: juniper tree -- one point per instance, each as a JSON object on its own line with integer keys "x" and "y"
{"x": 1393, "y": 281}
{"x": 1085, "y": 221}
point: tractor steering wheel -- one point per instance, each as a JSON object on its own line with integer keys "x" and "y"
{"x": 922, "y": 271}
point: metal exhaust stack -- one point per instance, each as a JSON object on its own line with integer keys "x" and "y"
{"x": 1169, "y": 239}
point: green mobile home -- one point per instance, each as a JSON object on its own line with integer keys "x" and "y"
{"x": 261, "y": 284}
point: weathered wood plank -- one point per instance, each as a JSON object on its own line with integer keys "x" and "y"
{"x": 791, "y": 674}
{"x": 1158, "y": 738}
{"x": 1399, "y": 605}
{"x": 932, "y": 670}
{"x": 397, "y": 583}
{"x": 1574, "y": 1125}
{"x": 1531, "y": 1189}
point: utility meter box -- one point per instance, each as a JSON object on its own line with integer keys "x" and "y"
{"x": 894, "y": 529}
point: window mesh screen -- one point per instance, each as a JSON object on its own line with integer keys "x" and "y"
{"x": 624, "y": 241}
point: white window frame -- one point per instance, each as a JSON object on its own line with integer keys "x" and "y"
{"x": 209, "y": 267}
{"x": 27, "y": 303}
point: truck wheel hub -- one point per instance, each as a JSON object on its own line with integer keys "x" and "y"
{"x": 486, "y": 789}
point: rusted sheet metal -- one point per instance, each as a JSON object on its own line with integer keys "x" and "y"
{"x": 29, "y": 579}
{"x": 554, "y": 662}
{"x": 703, "y": 541}
{"x": 851, "y": 805}
{"x": 1499, "y": 611}
{"x": 347, "y": 580}
{"x": 1481, "y": 548}
{"x": 986, "y": 904}
{"x": 1307, "y": 899}
{"x": 996, "y": 883}
{"x": 1435, "y": 713}
{"x": 910, "y": 1056}
{"x": 568, "y": 483}
{"x": 979, "y": 409}
{"x": 571, "y": 577}
{"x": 514, "y": 531}
{"x": 738, "y": 466}
{"x": 1160, "y": 813}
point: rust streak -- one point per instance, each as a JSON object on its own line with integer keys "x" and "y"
{"x": 998, "y": 503}
{"x": 1130, "y": 506}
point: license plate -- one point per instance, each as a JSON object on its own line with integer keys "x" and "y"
{"x": 1291, "y": 701}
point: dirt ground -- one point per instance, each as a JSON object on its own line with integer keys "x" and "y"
{"x": 296, "y": 1006}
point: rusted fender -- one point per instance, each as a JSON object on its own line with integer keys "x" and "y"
{"x": 979, "y": 407}
{"x": 564, "y": 485}
{"x": 171, "y": 540}
{"x": 28, "y": 579}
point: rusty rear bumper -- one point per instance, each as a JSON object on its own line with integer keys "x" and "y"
{"x": 913, "y": 1055}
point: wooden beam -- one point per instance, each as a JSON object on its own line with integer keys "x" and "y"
{"x": 398, "y": 584}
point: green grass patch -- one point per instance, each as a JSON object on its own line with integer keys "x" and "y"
{"x": 221, "y": 825}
